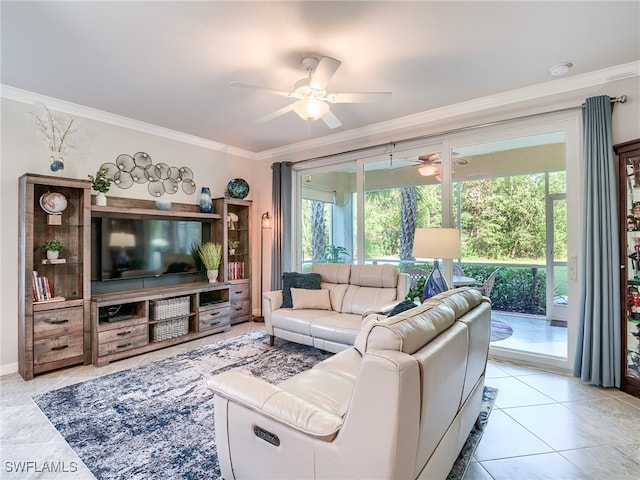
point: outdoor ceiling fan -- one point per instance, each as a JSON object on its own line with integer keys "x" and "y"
{"x": 431, "y": 164}
{"x": 312, "y": 100}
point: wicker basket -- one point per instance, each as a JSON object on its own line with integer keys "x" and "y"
{"x": 169, "y": 308}
{"x": 177, "y": 310}
{"x": 170, "y": 329}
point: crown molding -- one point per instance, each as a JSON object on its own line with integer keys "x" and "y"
{"x": 26, "y": 96}
{"x": 554, "y": 87}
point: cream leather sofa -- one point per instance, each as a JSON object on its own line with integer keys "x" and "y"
{"x": 352, "y": 291}
{"x": 398, "y": 405}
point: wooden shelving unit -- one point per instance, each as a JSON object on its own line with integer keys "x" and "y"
{"x": 628, "y": 212}
{"x": 123, "y": 324}
{"x": 54, "y": 333}
{"x": 236, "y": 227}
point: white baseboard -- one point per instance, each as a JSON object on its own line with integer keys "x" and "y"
{"x": 8, "y": 369}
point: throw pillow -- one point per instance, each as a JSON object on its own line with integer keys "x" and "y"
{"x": 310, "y": 281}
{"x": 316, "y": 299}
{"x": 401, "y": 307}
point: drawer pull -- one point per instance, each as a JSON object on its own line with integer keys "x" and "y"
{"x": 213, "y": 314}
{"x": 237, "y": 309}
{"x": 62, "y": 347}
{"x": 123, "y": 334}
{"x": 214, "y": 323}
{"x": 57, "y": 322}
{"x": 239, "y": 292}
{"x": 124, "y": 346}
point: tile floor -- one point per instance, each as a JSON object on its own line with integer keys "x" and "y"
{"x": 543, "y": 425}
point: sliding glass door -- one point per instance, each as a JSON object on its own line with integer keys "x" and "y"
{"x": 511, "y": 193}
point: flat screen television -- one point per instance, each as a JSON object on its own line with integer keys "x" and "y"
{"x": 125, "y": 248}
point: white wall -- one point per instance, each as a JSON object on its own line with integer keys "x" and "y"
{"x": 24, "y": 151}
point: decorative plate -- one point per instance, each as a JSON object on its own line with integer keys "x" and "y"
{"x": 237, "y": 188}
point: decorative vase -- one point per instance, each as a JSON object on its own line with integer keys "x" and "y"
{"x": 52, "y": 254}
{"x": 232, "y": 251}
{"x": 56, "y": 164}
{"x": 101, "y": 199}
{"x": 206, "y": 205}
{"x": 212, "y": 275}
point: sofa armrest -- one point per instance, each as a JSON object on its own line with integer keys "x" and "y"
{"x": 270, "y": 301}
{"x": 380, "y": 309}
{"x": 276, "y": 404}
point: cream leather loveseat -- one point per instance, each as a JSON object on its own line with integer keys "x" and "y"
{"x": 397, "y": 405}
{"x": 333, "y": 321}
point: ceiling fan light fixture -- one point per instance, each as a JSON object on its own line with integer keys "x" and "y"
{"x": 427, "y": 170}
{"x": 310, "y": 108}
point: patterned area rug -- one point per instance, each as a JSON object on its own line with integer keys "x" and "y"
{"x": 156, "y": 421}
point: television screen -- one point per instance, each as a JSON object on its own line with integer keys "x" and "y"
{"x": 134, "y": 248}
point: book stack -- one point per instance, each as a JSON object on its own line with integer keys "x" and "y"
{"x": 42, "y": 289}
{"x": 236, "y": 270}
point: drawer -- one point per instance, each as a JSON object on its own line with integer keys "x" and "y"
{"x": 213, "y": 318}
{"x": 62, "y": 321}
{"x": 52, "y": 349}
{"x": 240, "y": 309}
{"x": 122, "y": 333}
{"x": 123, "y": 344}
{"x": 239, "y": 291}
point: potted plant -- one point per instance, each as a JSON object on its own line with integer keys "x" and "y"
{"x": 211, "y": 253}
{"x": 53, "y": 248}
{"x": 233, "y": 244}
{"x": 101, "y": 184}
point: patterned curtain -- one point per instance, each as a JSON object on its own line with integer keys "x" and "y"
{"x": 598, "y": 355}
{"x": 281, "y": 260}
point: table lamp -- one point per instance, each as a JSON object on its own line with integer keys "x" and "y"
{"x": 437, "y": 243}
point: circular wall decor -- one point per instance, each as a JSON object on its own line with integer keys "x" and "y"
{"x": 162, "y": 178}
{"x": 237, "y": 188}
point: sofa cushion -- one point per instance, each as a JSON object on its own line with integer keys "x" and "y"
{"x": 380, "y": 276}
{"x": 407, "y": 332}
{"x": 337, "y": 327}
{"x": 303, "y": 298}
{"x": 461, "y": 300}
{"x": 332, "y": 272}
{"x": 297, "y": 280}
{"x": 336, "y": 294}
{"x": 358, "y": 299}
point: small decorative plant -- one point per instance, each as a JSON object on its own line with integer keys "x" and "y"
{"x": 233, "y": 244}
{"x": 52, "y": 246}
{"x": 100, "y": 182}
{"x": 210, "y": 253}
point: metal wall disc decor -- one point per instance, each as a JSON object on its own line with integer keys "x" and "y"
{"x": 139, "y": 168}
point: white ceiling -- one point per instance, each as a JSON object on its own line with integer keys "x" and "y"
{"x": 170, "y": 63}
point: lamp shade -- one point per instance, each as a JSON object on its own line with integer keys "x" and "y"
{"x": 436, "y": 243}
{"x": 119, "y": 239}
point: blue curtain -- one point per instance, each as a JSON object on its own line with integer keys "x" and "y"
{"x": 598, "y": 354}
{"x": 281, "y": 197}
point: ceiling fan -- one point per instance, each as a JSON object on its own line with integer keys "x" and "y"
{"x": 431, "y": 164}
{"x": 312, "y": 100}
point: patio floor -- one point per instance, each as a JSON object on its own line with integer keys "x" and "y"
{"x": 532, "y": 333}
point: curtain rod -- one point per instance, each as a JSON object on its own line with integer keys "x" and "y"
{"x": 620, "y": 99}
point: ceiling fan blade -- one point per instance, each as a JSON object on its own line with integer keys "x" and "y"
{"x": 275, "y": 91}
{"x": 364, "y": 97}
{"x": 323, "y": 72}
{"x": 331, "y": 120}
{"x": 275, "y": 114}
